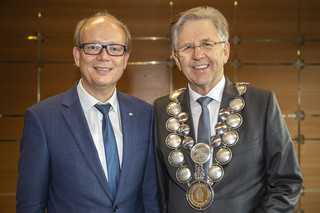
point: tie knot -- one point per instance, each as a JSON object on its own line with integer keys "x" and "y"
{"x": 204, "y": 101}
{"x": 103, "y": 108}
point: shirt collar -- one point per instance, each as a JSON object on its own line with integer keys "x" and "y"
{"x": 215, "y": 93}
{"x": 88, "y": 101}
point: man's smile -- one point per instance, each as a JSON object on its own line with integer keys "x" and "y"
{"x": 201, "y": 66}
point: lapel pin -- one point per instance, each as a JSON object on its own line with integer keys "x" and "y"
{"x": 130, "y": 114}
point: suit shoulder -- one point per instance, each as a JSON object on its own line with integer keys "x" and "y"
{"x": 162, "y": 101}
{"x": 259, "y": 95}
{"x": 258, "y": 91}
{"x": 163, "y": 98}
{"x": 48, "y": 103}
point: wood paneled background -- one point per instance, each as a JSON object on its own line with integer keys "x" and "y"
{"x": 275, "y": 45}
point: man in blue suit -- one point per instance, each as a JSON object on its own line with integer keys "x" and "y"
{"x": 63, "y": 165}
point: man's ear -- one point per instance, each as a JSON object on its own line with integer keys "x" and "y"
{"x": 76, "y": 56}
{"x": 126, "y": 58}
{"x": 226, "y": 52}
{"x": 176, "y": 59}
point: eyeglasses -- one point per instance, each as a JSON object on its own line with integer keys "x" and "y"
{"x": 189, "y": 49}
{"x": 96, "y": 49}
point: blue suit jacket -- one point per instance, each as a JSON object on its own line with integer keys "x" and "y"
{"x": 59, "y": 167}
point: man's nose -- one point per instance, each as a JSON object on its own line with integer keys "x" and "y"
{"x": 104, "y": 54}
{"x": 197, "y": 52}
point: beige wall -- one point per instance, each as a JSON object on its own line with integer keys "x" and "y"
{"x": 278, "y": 49}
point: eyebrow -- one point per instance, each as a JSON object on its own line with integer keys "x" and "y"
{"x": 205, "y": 40}
{"x": 201, "y": 41}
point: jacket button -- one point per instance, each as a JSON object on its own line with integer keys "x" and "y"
{"x": 115, "y": 209}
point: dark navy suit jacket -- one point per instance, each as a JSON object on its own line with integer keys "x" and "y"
{"x": 59, "y": 167}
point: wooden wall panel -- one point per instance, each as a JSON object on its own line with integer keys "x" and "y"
{"x": 145, "y": 82}
{"x": 281, "y": 79}
{"x": 310, "y": 90}
{"x": 225, "y": 6}
{"x": 267, "y": 52}
{"x": 146, "y": 50}
{"x": 310, "y": 19}
{"x": 57, "y": 49}
{"x": 18, "y": 87}
{"x": 231, "y": 73}
{"x": 144, "y": 18}
{"x": 179, "y": 80}
{"x": 72, "y": 4}
{"x": 11, "y": 129}
{"x": 59, "y": 18}
{"x": 310, "y": 202}
{"x": 53, "y": 21}
{"x": 8, "y": 203}
{"x": 268, "y": 32}
{"x": 310, "y": 50}
{"x": 310, "y": 165}
{"x": 9, "y": 155}
{"x": 18, "y": 18}
{"x": 310, "y": 128}
{"x": 18, "y": 49}
{"x": 58, "y": 78}
{"x": 268, "y": 19}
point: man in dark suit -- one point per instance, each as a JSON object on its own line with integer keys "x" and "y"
{"x": 68, "y": 142}
{"x": 220, "y": 147}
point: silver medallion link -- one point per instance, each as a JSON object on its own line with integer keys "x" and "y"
{"x": 200, "y": 194}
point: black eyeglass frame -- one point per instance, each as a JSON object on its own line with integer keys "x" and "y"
{"x": 81, "y": 46}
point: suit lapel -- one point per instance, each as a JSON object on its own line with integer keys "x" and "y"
{"x": 185, "y": 107}
{"x": 229, "y": 92}
{"x": 127, "y": 123}
{"x": 77, "y": 123}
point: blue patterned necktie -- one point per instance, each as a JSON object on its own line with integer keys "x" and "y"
{"x": 110, "y": 147}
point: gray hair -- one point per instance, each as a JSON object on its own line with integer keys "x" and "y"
{"x": 81, "y": 24}
{"x": 199, "y": 13}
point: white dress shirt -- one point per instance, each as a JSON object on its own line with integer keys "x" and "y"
{"x": 213, "y": 106}
{"x": 94, "y": 118}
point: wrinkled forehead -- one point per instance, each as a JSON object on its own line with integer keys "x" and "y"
{"x": 197, "y": 31}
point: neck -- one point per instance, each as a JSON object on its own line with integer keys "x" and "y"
{"x": 102, "y": 94}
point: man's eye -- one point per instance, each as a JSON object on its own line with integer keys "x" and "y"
{"x": 93, "y": 47}
{"x": 207, "y": 44}
{"x": 115, "y": 49}
{"x": 187, "y": 48}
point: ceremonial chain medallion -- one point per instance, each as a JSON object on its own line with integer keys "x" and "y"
{"x": 200, "y": 194}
